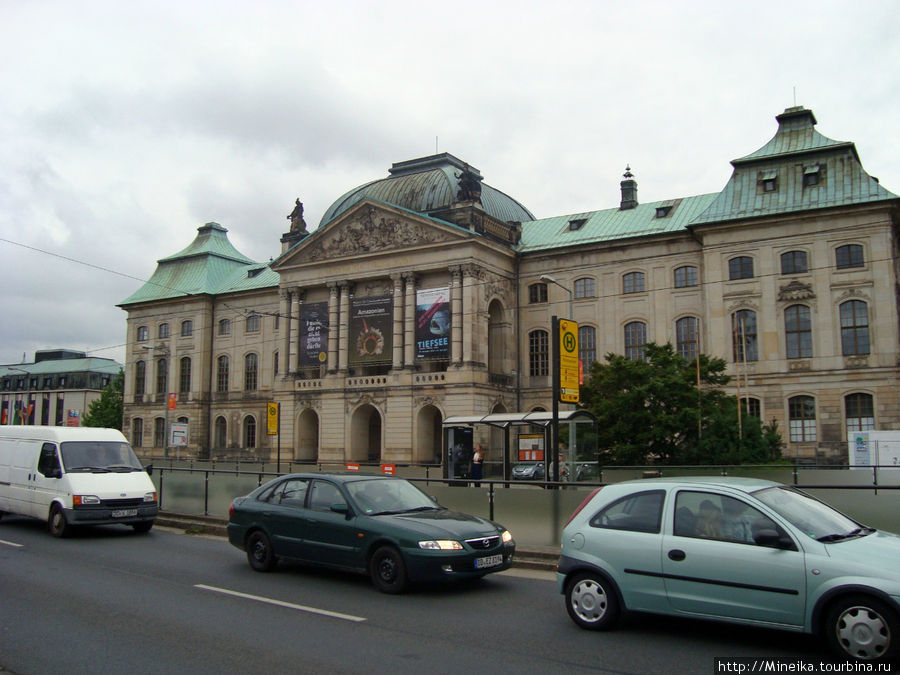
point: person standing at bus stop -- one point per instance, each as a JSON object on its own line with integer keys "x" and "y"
{"x": 477, "y": 463}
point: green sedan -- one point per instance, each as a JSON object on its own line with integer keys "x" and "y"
{"x": 382, "y": 526}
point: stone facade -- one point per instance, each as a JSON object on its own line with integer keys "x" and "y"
{"x": 794, "y": 264}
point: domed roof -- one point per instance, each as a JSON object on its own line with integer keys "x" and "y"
{"x": 429, "y": 185}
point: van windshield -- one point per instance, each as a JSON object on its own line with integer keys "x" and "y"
{"x": 99, "y": 456}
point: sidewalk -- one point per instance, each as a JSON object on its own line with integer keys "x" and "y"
{"x": 527, "y": 557}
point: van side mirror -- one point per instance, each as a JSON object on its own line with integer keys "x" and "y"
{"x": 149, "y": 469}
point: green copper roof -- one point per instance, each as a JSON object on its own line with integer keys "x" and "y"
{"x": 612, "y": 224}
{"x": 427, "y": 185}
{"x": 209, "y": 265}
{"x": 796, "y": 150}
{"x": 88, "y": 364}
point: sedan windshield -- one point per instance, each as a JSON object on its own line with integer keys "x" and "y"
{"x": 99, "y": 456}
{"x": 815, "y": 518}
{"x": 376, "y": 497}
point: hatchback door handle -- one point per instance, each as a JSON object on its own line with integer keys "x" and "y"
{"x": 677, "y": 554}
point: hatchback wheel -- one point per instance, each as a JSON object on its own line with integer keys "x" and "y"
{"x": 864, "y": 629}
{"x": 591, "y": 602}
{"x": 259, "y": 552}
{"x": 388, "y": 570}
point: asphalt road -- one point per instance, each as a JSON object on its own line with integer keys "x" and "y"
{"x": 111, "y": 601}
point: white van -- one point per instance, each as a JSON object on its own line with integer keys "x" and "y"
{"x": 71, "y": 476}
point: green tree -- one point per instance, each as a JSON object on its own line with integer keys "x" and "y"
{"x": 106, "y": 411}
{"x": 651, "y": 411}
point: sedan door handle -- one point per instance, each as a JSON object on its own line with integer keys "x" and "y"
{"x": 677, "y": 554}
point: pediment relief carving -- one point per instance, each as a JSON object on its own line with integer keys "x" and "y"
{"x": 853, "y": 294}
{"x": 371, "y": 230}
{"x": 796, "y": 290}
{"x": 745, "y": 303}
{"x": 496, "y": 286}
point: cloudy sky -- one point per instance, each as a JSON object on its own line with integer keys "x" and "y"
{"x": 124, "y": 126}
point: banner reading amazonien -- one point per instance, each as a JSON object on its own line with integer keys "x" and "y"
{"x": 371, "y": 321}
{"x": 313, "y": 334}
{"x": 433, "y": 323}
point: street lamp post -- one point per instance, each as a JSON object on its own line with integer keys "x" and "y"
{"x": 547, "y": 277}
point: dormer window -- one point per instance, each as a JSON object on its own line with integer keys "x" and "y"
{"x": 254, "y": 272}
{"x": 664, "y": 209}
{"x": 768, "y": 181}
{"x": 812, "y": 175}
{"x": 576, "y": 224}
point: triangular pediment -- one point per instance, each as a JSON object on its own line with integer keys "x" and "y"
{"x": 370, "y": 228}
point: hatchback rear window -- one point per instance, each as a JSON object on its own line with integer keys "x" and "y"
{"x": 641, "y": 512}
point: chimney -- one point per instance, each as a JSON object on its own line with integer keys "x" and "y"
{"x": 629, "y": 190}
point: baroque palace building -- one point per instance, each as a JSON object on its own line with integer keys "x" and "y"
{"x": 429, "y": 294}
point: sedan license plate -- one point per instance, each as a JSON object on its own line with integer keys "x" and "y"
{"x": 123, "y": 513}
{"x": 489, "y": 561}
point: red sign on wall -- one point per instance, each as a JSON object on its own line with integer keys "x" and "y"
{"x": 389, "y": 469}
{"x": 352, "y": 466}
{"x": 173, "y": 399}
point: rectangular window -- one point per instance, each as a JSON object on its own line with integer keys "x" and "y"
{"x": 537, "y": 293}
{"x": 538, "y": 354}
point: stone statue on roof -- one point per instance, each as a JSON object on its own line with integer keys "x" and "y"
{"x": 296, "y": 217}
{"x": 469, "y": 186}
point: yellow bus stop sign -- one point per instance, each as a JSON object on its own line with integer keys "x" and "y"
{"x": 568, "y": 361}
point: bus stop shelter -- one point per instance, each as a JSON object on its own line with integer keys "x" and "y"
{"x": 458, "y": 433}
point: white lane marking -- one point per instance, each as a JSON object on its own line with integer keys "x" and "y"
{"x": 281, "y": 603}
{"x": 14, "y": 545}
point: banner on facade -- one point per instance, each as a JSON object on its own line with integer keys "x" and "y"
{"x": 371, "y": 337}
{"x": 313, "y": 334}
{"x": 272, "y": 419}
{"x": 73, "y": 419}
{"x": 433, "y": 323}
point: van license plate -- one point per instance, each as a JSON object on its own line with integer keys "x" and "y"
{"x": 489, "y": 561}
{"x": 123, "y": 513}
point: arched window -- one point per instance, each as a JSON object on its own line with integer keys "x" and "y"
{"x": 743, "y": 335}
{"x": 854, "y": 328}
{"x": 140, "y": 376}
{"x": 740, "y": 267}
{"x": 252, "y": 323}
{"x": 634, "y": 282}
{"x": 220, "y": 432}
{"x": 142, "y": 333}
{"x": 537, "y": 293}
{"x": 584, "y": 287}
{"x": 184, "y": 379}
{"x": 163, "y": 330}
{"x": 159, "y": 432}
{"x": 686, "y": 276}
{"x": 859, "y": 410}
{"x": 687, "y": 337}
{"x": 225, "y": 327}
{"x": 137, "y": 432}
{"x": 250, "y": 432}
{"x": 222, "y": 374}
{"x": 251, "y": 372}
{"x": 752, "y": 407}
{"x": 802, "y": 413}
{"x": 587, "y": 345}
{"x": 187, "y": 328}
{"x": 162, "y": 376}
{"x": 849, "y": 255}
{"x": 794, "y": 262}
{"x": 798, "y": 332}
{"x": 538, "y": 353}
{"x": 635, "y": 340}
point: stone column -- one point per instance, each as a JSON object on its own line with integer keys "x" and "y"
{"x": 398, "y": 322}
{"x": 286, "y": 340}
{"x": 344, "y": 326}
{"x": 455, "y": 315}
{"x": 332, "y": 327}
{"x": 300, "y": 296}
{"x": 468, "y": 311}
{"x": 409, "y": 321}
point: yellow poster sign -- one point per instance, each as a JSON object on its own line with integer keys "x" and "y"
{"x": 271, "y": 419}
{"x": 568, "y": 361}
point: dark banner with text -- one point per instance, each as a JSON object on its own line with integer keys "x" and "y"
{"x": 433, "y": 323}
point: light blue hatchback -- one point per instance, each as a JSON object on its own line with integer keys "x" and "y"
{"x": 742, "y": 550}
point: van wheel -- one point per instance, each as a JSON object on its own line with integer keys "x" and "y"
{"x": 57, "y": 523}
{"x": 143, "y": 527}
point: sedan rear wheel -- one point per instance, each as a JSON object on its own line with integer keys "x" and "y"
{"x": 591, "y": 602}
{"x": 864, "y": 629}
{"x": 388, "y": 571}
{"x": 259, "y": 552}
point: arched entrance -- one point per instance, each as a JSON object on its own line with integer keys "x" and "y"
{"x": 307, "y": 446}
{"x": 428, "y": 449}
{"x": 365, "y": 434}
